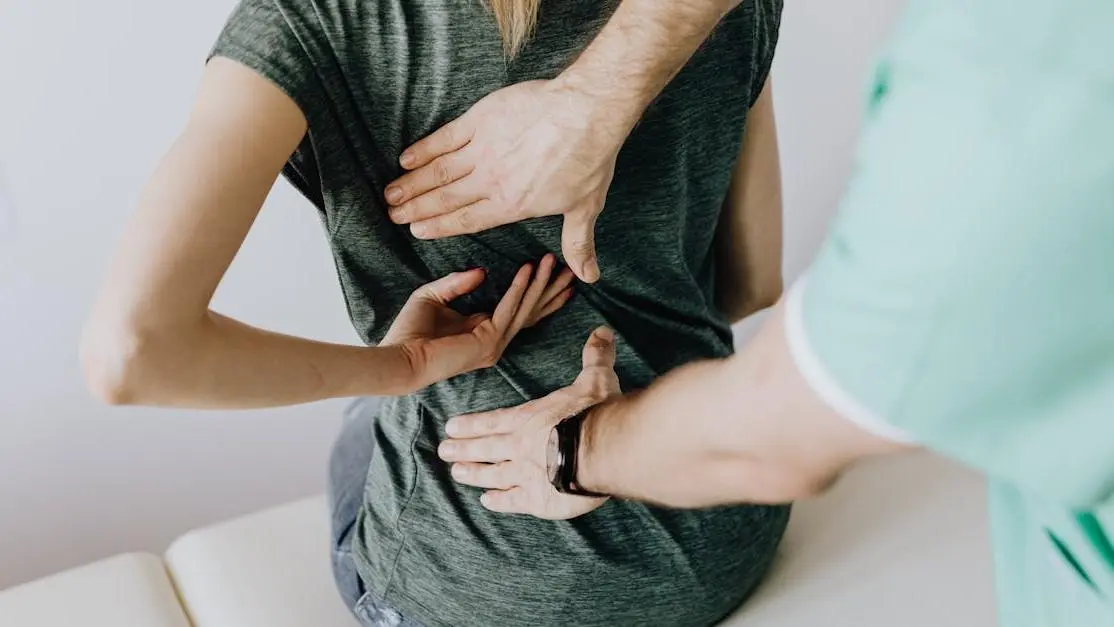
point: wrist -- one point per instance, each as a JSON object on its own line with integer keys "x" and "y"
{"x": 605, "y": 106}
{"x": 591, "y": 469}
{"x": 387, "y": 370}
{"x": 637, "y": 53}
{"x": 606, "y": 111}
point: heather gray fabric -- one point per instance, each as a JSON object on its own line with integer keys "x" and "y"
{"x": 373, "y": 76}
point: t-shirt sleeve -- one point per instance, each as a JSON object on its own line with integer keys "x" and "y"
{"x": 269, "y": 36}
{"x": 767, "y": 28}
{"x": 964, "y": 299}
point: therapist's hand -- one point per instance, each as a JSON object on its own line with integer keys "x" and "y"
{"x": 533, "y": 149}
{"x": 504, "y": 451}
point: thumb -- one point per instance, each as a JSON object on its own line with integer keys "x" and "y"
{"x": 599, "y": 350}
{"x": 578, "y": 242}
{"x": 452, "y": 286}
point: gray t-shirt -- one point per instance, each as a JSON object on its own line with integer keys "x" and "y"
{"x": 372, "y": 77}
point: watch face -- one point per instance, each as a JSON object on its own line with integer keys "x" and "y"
{"x": 553, "y": 456}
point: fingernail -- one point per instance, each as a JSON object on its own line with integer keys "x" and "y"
{"x": 605, "y": 334}
{"x": 451, "y": 427}
{"x": 419, "y": 230}
{"x": 407, "y": 159}
{"x": 485, "y": 500}
{"x": 446, "y": 450}
{"x": 459, "y": 471}
{"x": 394, "y": 194}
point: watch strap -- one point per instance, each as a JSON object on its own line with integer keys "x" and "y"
{"x": 569, "y": 433}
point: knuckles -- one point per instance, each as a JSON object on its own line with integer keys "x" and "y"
{"x": 441, "y": 174}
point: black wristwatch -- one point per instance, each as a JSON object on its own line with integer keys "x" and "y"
{"x": 561, "y": 456}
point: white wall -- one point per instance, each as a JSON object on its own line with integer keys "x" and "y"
{"x": 91, "y": 93}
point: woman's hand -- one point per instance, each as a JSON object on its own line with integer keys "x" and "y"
{"x": 504, "y": 451}
{"x": 440, "y": 343}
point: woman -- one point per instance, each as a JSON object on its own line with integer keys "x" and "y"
{"x": 329, "y": 93}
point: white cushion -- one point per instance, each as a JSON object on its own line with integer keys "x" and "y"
{"x": 269, "y": 569}
{"x": 900, "y": 542}
{"x": 124, "y": 591}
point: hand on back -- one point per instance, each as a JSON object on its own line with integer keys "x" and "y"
{"x": 440, "y": 343}
{"x": 504, "y": 451}
{"x": 528, "y": 150}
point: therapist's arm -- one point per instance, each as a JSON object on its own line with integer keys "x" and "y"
{"x": 744, "y": 429}
{"x": 544, "y": 148}
{"x": 748, "y": 239}
{"x": 640, "y": 50}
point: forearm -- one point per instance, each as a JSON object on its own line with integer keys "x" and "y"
{"x": 218, "y": 362}
{"x": 744, "y": 429}
{"x": 668, "y": 445}
{"x": 641, "y": 49}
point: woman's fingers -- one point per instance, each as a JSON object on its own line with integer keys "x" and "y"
{"x": 532, "y": 298}
{"x": 508, "y": 305}
{"x": 550, "y": 307}
{"x": 555, "y": 296}
{"x": 557, "y": 286}
{"x": 450, "y": 287}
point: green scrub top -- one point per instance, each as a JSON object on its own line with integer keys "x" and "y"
{"x": 964, "y": 299}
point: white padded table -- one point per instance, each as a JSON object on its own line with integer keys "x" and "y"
{"x": 125, "y": 591}
{"x": 899, "y": 543}
{"x": 269, "y": 569}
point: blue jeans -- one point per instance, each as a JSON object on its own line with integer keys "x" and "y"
{"x": 348, "y": 466}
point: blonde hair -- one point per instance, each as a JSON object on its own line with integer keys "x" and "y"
{"x": 516, "y": 20}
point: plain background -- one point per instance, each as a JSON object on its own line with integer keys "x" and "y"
{"x": 92, "y": 92}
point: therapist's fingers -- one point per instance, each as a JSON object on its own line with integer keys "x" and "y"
{"x": 501, "y": 476}
{"x": 599, "y": 350}
{"x": 512, "y": 501}
{"x": 450, "y": 137}
{"x": 435, "y": 175}
{"x": 578, "y": 242}
{"x": 478, "y": 216}
{"x": 490, "y": 450}
{"x": 561, "y": 403}
{"x": 452, "y": 197}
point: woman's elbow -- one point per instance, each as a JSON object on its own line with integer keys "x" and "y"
{"x": 113, "y": 359}
{"x": 767, "y": 293}
{"x": 759, "y": 296}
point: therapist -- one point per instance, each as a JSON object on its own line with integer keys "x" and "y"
{"x": 963, "y": 302}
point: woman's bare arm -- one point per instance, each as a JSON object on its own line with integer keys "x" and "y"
{"x": 152, "y": 339}
{"x": 748, "y": 239}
